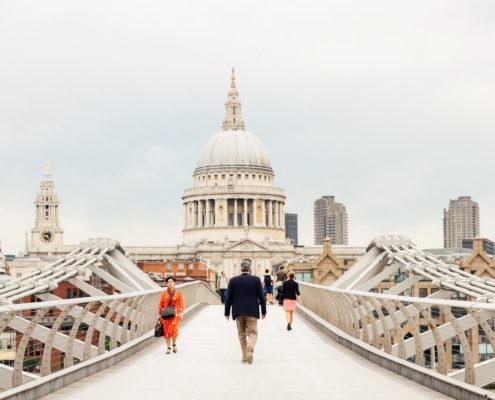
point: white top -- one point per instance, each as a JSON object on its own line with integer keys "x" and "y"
{"x": 233, "y": 148}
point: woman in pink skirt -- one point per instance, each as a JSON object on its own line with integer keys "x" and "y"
{"x": 290, "y": 291}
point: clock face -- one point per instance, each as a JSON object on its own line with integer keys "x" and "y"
{"x": 47, "y": 236}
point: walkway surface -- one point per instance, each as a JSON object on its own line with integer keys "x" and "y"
{"x": 301, "y": 364}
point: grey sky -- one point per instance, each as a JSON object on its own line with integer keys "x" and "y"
{"x": 388, "y": 105}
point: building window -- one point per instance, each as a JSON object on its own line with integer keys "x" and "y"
{"x": 304, "y": 276}
{"x": 181, "y": 266}
{"x": 223, "y": 176}
{"x": 169, "y": 267}
{"x": 239, "y": 176}
{"x": 216, "y": 176}
{"x": 246, "y": 176}
{"x": 423, "y": 292}
{"x": 191, "y": 266}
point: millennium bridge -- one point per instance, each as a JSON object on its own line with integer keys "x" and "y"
{"x": 349, "y": 341}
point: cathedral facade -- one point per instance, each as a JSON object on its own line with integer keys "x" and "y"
{"x": 233, "y": 212}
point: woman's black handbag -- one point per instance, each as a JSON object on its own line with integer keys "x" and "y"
{"x": 159, "y": 329}
{"x": 168, "y": 311}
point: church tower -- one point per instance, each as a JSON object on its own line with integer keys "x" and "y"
{"x": 47, "y": 235}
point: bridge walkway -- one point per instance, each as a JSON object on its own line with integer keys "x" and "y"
{"x": 301, "y": 364}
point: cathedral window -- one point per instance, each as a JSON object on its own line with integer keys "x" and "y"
{"x": 239, "y": 176}
{"x": 247, "y": 176}
{"x": 216, "y": 176}
{"x": 223, "y": 176}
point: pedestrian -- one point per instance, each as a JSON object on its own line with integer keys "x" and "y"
{"x": 222, "y": 285}
{"x": 290, "y": 291}
{"x": 268, "y": 281}
{"x": 172, "y": 304}
{"x": 281, "y": 276}
{"x": 245, "y": 296}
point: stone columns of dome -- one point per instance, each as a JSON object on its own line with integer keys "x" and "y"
{"x": 214, "y": 213}
{"x": 282, "y": 215}
{"x": 253, "y": 219}
{"x": 277, "y": 215}
{"x": 195, "y": 214}
{"x": 244, "y": 213}
{"x": 200, "y": 213}
{"x": 270, "y": 214}
{"x": 235, "y": 212}
{"x": 263, "y": 213}
{"x": 207, "y": 214}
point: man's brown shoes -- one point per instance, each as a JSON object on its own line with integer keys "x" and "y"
{"x": 249, "y": 355}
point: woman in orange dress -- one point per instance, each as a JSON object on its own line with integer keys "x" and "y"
{"x": 171, "y": 326}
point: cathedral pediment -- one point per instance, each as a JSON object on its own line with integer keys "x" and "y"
{"x": 246, "y": 245}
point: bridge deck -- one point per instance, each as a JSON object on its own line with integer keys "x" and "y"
{"x": 301, "y": 364}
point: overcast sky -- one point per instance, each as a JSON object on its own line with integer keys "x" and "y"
{"x": 388, "y": 105}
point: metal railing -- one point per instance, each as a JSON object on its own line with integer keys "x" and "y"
{"x": 37, "y": 339}
{"x": 447, "y": 336}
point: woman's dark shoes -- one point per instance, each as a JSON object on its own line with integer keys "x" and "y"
{"x": 175, "y": 348}
{"x": 289, "y": 328}
{"x": 168, "y": 350}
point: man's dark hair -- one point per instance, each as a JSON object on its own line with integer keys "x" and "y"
{"x": 266, "y": 271}
{"x": 281, "y": 267}
{"x": 168, "y": 278}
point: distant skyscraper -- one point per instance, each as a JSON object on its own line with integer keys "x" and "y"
{"x": 291, "y": 227}
{"x": 460, "y": 221}
{"x": 330, "y": 219}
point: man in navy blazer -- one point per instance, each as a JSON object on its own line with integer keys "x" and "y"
{"x": 245, "y": 296}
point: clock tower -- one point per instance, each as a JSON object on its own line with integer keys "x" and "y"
{"x": 47, "y": 235}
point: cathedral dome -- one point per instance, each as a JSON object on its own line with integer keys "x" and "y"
{"x": 233, "y": 148}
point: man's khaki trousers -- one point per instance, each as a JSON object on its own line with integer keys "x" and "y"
{"x": 247, "y": 329}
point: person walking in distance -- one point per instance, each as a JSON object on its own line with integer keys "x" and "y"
{"x": 290, "y": 290}
{"x": 281, "y": 276}
{"x": 171, "y": 298}
{"x": 245, "y": 297}
{"x": 268, "y": 281}
{"x": 222, "y": 285}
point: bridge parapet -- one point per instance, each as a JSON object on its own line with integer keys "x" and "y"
{"x": 443, "y": 335}
{"x": 46, "y": 337}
